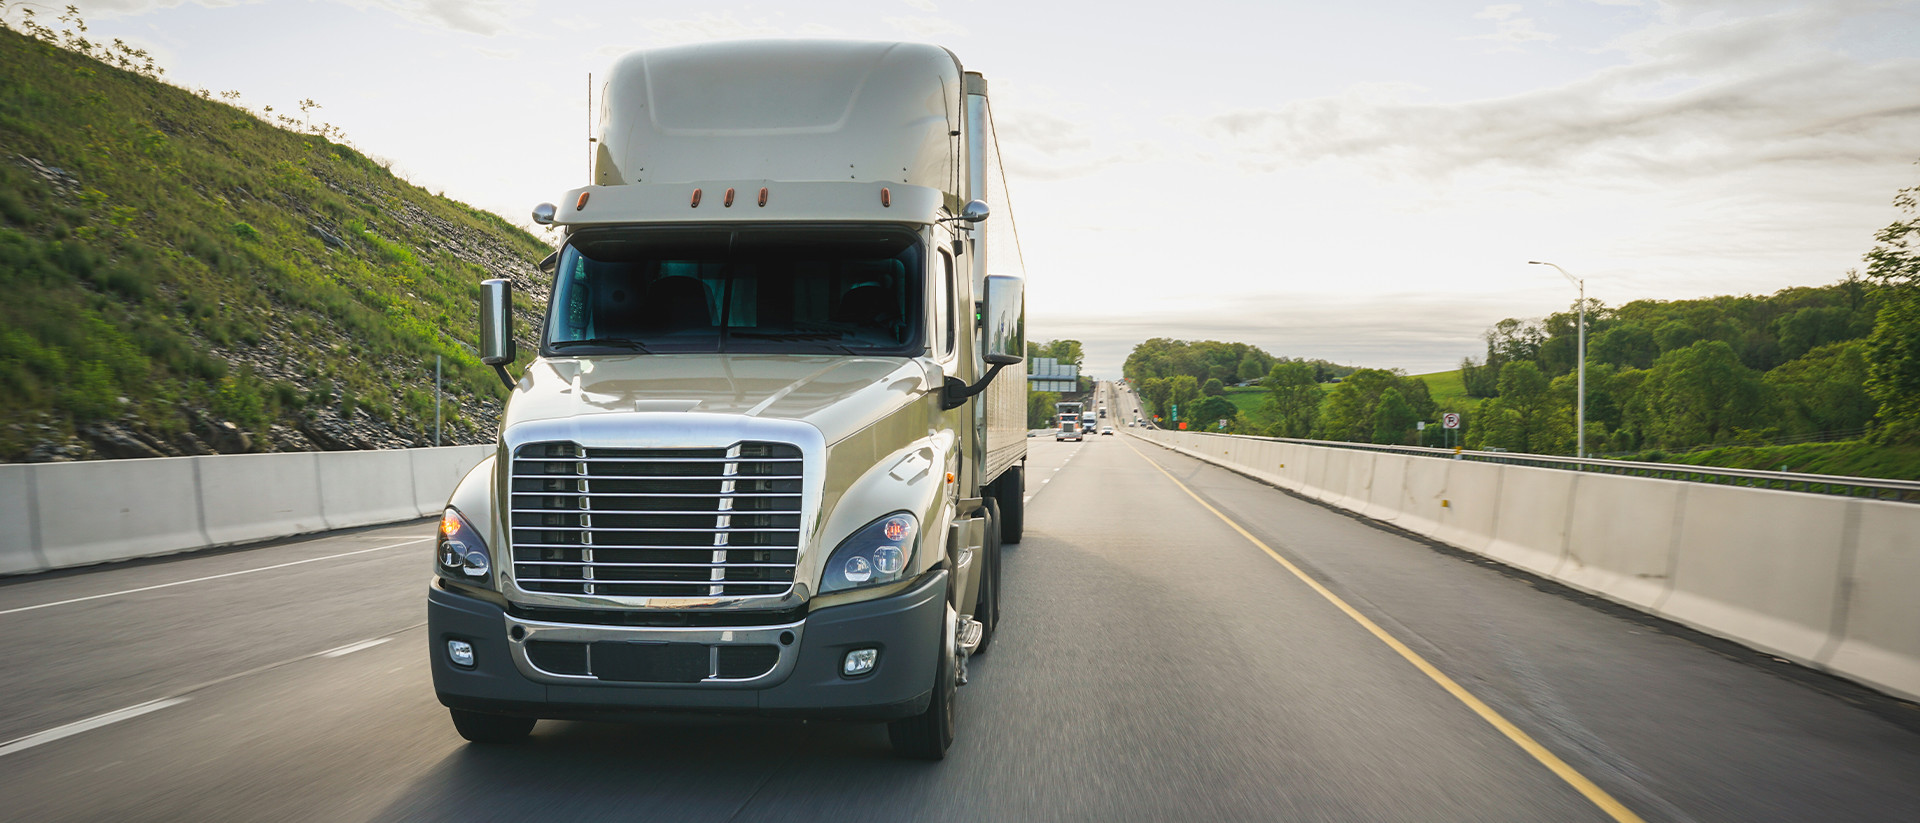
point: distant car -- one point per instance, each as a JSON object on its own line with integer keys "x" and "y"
{"x": 1032, "y": 433}
{"x": 1106, "y": 430}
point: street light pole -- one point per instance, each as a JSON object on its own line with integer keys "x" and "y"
{"x": 1580, "y": 414}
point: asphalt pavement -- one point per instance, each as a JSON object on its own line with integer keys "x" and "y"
{"x": 1154, "y": 663}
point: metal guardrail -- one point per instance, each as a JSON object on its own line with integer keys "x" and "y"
{"x": 1906, "y": 491}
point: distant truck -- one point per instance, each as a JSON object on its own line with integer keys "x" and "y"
{"x": 761, "y": 463}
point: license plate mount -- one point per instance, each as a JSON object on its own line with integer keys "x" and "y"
{"x": 651, "y": 662}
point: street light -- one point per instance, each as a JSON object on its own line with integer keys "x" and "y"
{"x": 1580, "y": 415}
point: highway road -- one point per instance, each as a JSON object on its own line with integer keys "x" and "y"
{"x": 1179, "y": 643}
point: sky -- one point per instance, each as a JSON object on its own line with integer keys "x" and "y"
{"x": 1361, "y": 181}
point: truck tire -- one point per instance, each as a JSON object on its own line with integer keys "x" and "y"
{"x": 477, "y": 727}
{"x": 928, "y": 734}
{"x": 986, "y": 604}
{"x": 1011, "y": 491}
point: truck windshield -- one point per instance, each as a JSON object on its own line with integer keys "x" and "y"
{"x": 792, "y": 290}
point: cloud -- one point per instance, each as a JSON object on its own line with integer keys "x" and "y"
{"x": 923, "y": 5}
{"x": 101, "y": 9}
{"x": 1693, "y": 98}
{"x": 927, "y": 28}
{"x": 1038, "y": 144}
{"x": 1508, "y": 28}
{"x": 723, "y": 26}
{"x": 483, "y": 17}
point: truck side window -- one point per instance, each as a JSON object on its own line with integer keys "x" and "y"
{"x": 944, "y": 308}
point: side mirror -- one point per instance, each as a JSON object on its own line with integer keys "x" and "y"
{"x": 974, "y": 212}
{"x": 1005, "y": 320}
{"x": 1003, "y": 317}
{"x": 544, "y": 214}
{"x": 496, "y": 326}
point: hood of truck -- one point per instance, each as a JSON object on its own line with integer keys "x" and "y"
{"x": 835, "y": 394}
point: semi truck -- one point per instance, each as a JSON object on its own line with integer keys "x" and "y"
{"x": 761, "y": 463}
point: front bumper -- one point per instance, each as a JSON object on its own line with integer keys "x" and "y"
{"x": 805, "y": 681}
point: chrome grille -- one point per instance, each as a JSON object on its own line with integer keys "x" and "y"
{"x": 656, "y": 522}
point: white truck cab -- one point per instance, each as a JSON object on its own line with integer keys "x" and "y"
{"x": 760, "y": 463}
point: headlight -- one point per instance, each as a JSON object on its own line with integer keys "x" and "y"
{"x": 878, "y": 553}
{"x": 461, "y": 554}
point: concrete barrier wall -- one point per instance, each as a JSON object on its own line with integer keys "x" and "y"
{"x": 19, "y": 530}
{"x": 1879, "y": 642}
{"x": 367, "y": 487}
{"x": 1827, "y": 582}
{"x": 57, "y": 515}
{"x": 260, "y": 496}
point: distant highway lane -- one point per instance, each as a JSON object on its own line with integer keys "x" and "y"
{"x": 1179, "y": 643}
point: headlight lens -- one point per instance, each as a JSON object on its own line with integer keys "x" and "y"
{"x": 461, "y": 554}
{"x": 876, "y": 554}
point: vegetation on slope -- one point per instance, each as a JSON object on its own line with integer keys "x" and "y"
{"x": 184, "y": 276}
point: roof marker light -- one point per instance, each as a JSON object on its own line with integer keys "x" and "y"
{"x": 886, "y": 198}
{"x": 696, "y": 199}
{"x": 582, "y": 202}
{"x": 763, "y": 196}
{"x": 728, "y": 202}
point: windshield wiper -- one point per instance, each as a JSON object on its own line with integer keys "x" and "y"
{"x": 796, "y": 337}
{"x": 604, "y": 342}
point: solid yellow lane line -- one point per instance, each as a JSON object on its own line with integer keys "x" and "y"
{"x": 1578, "y": 781}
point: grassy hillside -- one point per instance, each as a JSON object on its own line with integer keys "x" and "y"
{"x": 175, "y": 264}
{"x": 1247, "y": 399}
{"x": 1449, "y": 390}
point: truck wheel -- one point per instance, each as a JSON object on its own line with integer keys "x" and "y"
{"x": 928, "y": 734}
{"x": 1011, "y": 491}
{"x": 986, "y": 604}
{"x": 491, "y": 728}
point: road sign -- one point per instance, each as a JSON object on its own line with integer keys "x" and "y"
{"x": 1451, "y": 420}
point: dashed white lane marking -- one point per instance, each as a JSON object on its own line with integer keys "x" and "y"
{"x": 350, "y": 648}
{"x": 180, "y": 696}
{"x": 216, "y": 576}
{"x": 23, "y": 743}
{"x": 1027, "y": 499}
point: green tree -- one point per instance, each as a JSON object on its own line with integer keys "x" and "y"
{"x": 1825, "y": 392}
{"x": 1182, "y": 390}
{"x": 1480, "y": 380}
{"x": 1213, "y": 387}
{"x": 1393, "y": 418}
{"x": 1893, "y": 351}
{"x": 1065, "y": 351}
{"x": 1250, "y": 369}
{"x": 1893, "y": 365}
{"x": 1208, "y": 411}
{"x": 1040, "y": 409}
{"x": 1295, "y": 398}
{"x": 1525, "y": 417}
{"x": 1348, "y": 414}
{"x": 1351, "y": 404}
{"x": 1626, "y": 344}
{"x": 1703, "y": 394}
{"x": 1156, "y": 391}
